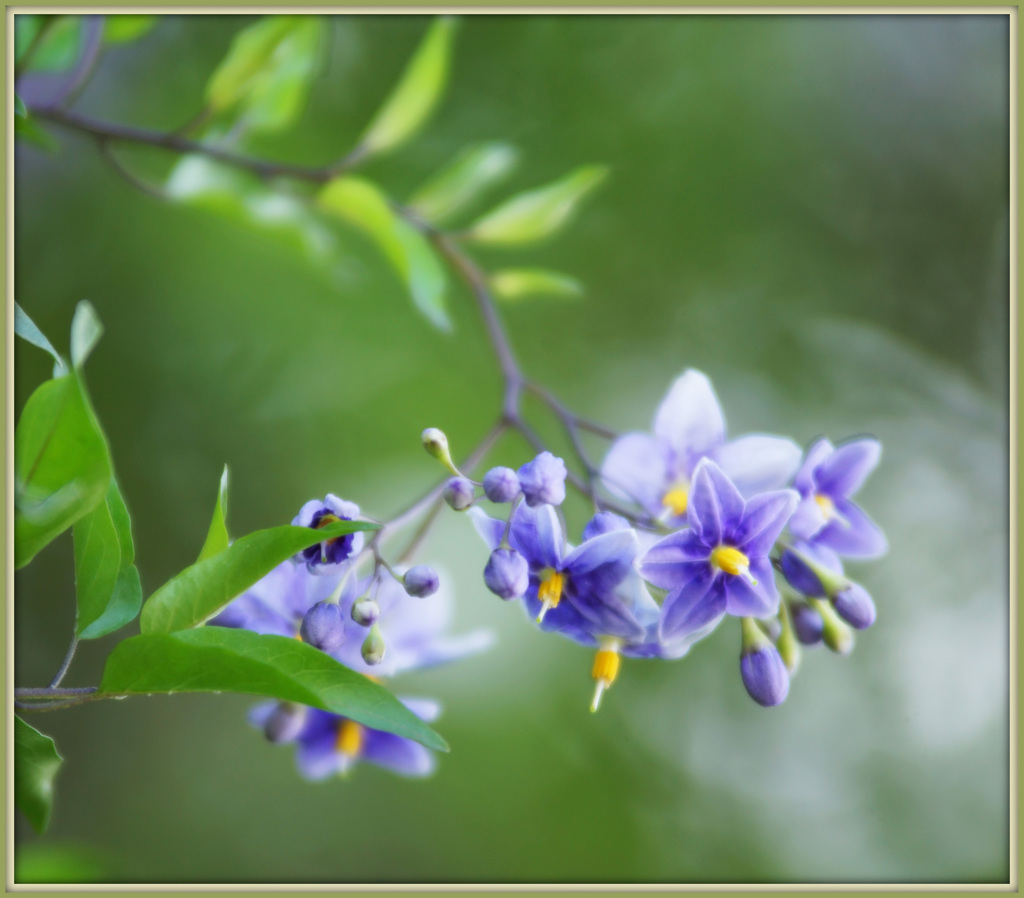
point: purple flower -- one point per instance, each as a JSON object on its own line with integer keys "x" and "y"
{"x": 543, "y": 480}
{"x": 331, "y": 745}
{"x": 826, "y": 515}
{"x": 325, "y": 557}
{"x": 720, "y": 564}
{"x": 657, "y": 470}
{"x": 507, "y": 574}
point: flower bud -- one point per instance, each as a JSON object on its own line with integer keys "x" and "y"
{"x": 373, "y": 646}
{"x": 855, "y": 606}
{"x": 436, "y": 444}
{"x": 285, "y": 722}
{"x": 800, "y": 576}
{"x": 807, "y": 623}
{"x": 543, "y": 480}
{"x": 501, "y": 485}
{"x": 507, "y": 574}
{"x": 837, "y": 635}
{"x": 421, "y": 581}
{"x": 323, "y": 627}
{"x": 365, "y": 611}
{"x": 763, "y": 671}
{"x": 458, "y": 493}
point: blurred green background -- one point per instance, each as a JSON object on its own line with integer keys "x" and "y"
{"x": 813, "y": 210}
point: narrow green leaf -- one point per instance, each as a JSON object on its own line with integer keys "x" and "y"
{"x": 19, "y": 107}
{"x": 62, "y": 465}
{"x": 539, "y": 213}
{"x": 217, "y": 536}
{"x": 122, "y": 29}
{"x": 458, "y": 184}
{"x": 86, "y": 330}
{"x": 251, "y": 50}
{"x": 106, "y": 580}
{"x": 279, "y": 91}
{"x": 60, "y": 47}
{"x": 361, "y": 203}
{"x": 29, "y": 130}
{"x": 26, "y": 328}
{"x": 222, "y": 659}
{"x": 417, "y": 94}
{"x": 200, "y": 591}
{"x": 35, "y": 765}
{"x": 517, "y": 283}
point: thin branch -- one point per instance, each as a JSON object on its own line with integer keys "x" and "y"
{"x": 107, "y": 152}
{"x": 66, "y": 663}
{"x": 48, "y": 692}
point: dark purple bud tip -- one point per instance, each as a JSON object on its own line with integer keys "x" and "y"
{"x": 458, "y": 493}
{"x": 543, "y": 480}
{"x": 285, "y": 722}
{"x": 765, "y": 676}
{"x": 807, "y": 623}
{"x": 800, "y": 576}
{"x": 365, "y": 611}
{"x": 855, "y": 606}
{"x": 421, "y": 581}
{"x": 501, "y": 485}
{"x": 323, "y": 627}
{"x": 507, "y": 574}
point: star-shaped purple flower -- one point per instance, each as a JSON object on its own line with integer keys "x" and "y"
{"x": 656, "y": 470}
{"x": 327, "y": 556}
{"x": 826, "y": 515}
{"x": 720, "y": 564}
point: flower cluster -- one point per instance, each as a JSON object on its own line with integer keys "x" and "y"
{"x": 377, "y": 625}
{"x": 714, "y": 522}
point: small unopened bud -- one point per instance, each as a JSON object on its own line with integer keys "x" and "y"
{"x": 807, "y": 623}
{"x": 458, "y": 493}
{"x": 543, "y": 480}
{"x": 501, "y": 485}
{"x": 373, "y": 646}
{"x": 285, "y": 722}
{"x": 855, "y": 606}
{"x": 365, "y": 611}
{"x": 800, "y": 576}
{"x": 421, "y": 581}
{"x": 837, "y": 635}
{"x": 323, "y": 627}
{"x": 436, "y": 443}
{"x": 604, "y": 522}
{"x": 507, "y": 574}
{"x": 761, "y": 667}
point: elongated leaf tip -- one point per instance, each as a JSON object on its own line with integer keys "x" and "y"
{"x": 86, "y": 330}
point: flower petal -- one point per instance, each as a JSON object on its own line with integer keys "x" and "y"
{"x": 691, "y": 605}
{"x": 816, "y": 454}
{"x": 490, "y": 529}
{"x": 603, "y": 559}
{"x": 757, "y": 462}
{"x": 402, "y": 756}
{"x": 427, "y": 709}
{"x": 856, "y": 535}
{"x": 763, "y": 519}
{"x": 537, "y": 534}
{"x": 843, "y": 473}
{"x": 744, "y": 599}
{"x": 807, "y": 519}
{"x": 690, "y": 418}
{"x": 637, "y": 467}
{"x": 317, "y": 756}
{"x": 716, "y": 506}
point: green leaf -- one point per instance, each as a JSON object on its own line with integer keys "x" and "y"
{"x": 60, "y": 47}
{"x": 361, "y": 203}
{"x": 107, "y": 584}
{"x": 26, "y": 328}
{"x": 122, "y": 29}
{"x": 28, "y": 129}
{"x": 517, "y": 283}
{"x": 217, "y": 536}
{"x": 35, "y": 765}
{"x": 417, "y": 94}
{"x": 43, "y": 863}
{"x": 62, "y": 465}
{"x": 19, "y": 107}
{"x": 200, "y": 591}
{"x": 539, "y": 213}
{"x": 223, "y": 659}
{"x": 86, "y": 330}
{"x": 26, "y": 27}
{"x": 455, "y": 186}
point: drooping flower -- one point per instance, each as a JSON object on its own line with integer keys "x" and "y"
{"x": 656, "y": 470}
{"x": 826, "y": 515}
{"x": 720, "y": 564}
{"x": 325, "y": 557}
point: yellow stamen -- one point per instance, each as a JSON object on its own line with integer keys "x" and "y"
{"x": 350, "y": 738}
{"x": 327, "y": 520}
{"x": 604, "y": 671}
{"x": 732, "y": 561}
{"x": 676, "y": 500}
{"x": 826, "y": 506}
{"x": 550, "y": 592}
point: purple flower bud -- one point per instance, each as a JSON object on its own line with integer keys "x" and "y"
{"x": 807, "y": 623}
{"x": 543, "y": 480}
{"x": 855, "y": 606}
{"x": 373, "y": 646}
{"x": 365, "y": 611}
{"x": 285, "y": 722}
{"x": 765, "y": 676}
{"x": 501, "y": 485}
{"x": 458, "y": 493}
{"x": 421, "y": 581}
{"x": 800, "y": 576}
{"x": 323, "y": 627}
{"x": 507, "y": 574}
{"x": 604, "y": 522}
